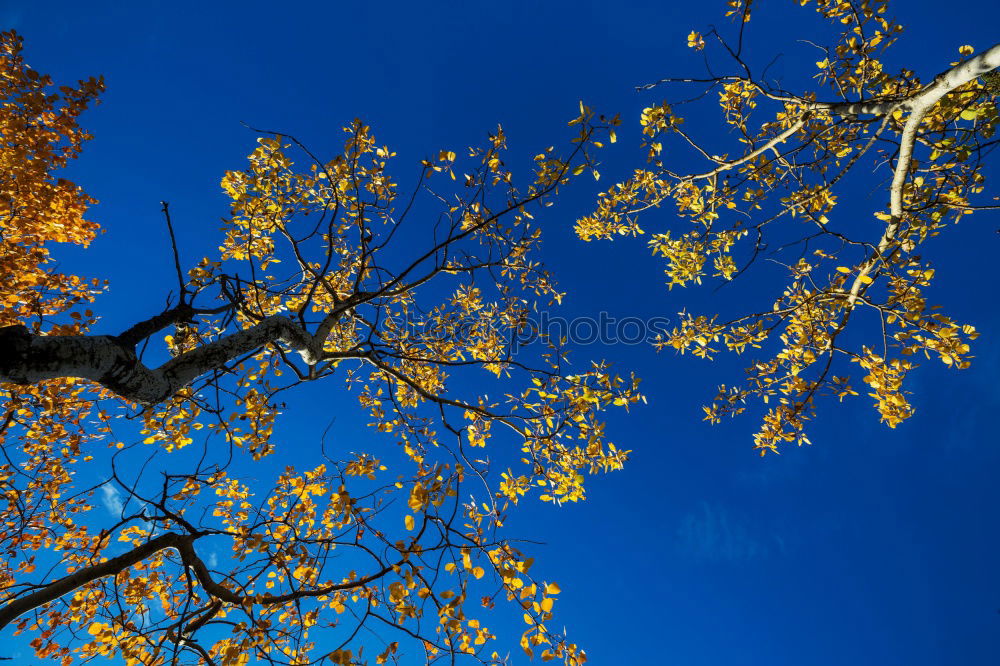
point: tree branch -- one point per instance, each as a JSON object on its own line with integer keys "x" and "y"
{"x": 81, "y": 577}
{"x": 26, "y": 358}
{"x": 201, "y": 572}
{"x": 919, "y": 106}
{"x": 143, "y": 329}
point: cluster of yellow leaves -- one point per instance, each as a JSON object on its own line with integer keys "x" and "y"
{"x": 563, "y": 440}
{"x": 866, "y": 31}
{"x": 273, "y": 560}
{"x": 46, "y": 430}
{"x": 39, "y": 134}
{"x": 787, "y": 168}
{"x": 886, "y": 380}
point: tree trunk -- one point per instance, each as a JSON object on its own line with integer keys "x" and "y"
{"x": 26, "y": 358}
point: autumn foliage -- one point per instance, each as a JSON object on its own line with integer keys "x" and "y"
{"x": 403, "y": 304}
{"x": 215, "y": 554}
{"x": 776, "y": 197}
{"x": 40, "y": 134}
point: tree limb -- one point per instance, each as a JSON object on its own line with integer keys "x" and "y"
{"x": 26, "y": 358}
{"x": 81, "y": 577}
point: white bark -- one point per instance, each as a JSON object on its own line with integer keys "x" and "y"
{"x": 919, "y": 106}
{"x": 26, "y": 358}
{"x": 922, "y": 101}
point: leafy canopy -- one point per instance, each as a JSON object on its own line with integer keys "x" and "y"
{"x": 773, "y": 190}
{"x": 325, "y": 274}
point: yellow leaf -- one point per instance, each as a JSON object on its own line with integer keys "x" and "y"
{"x": 695, "y": 41}
{"x": 409, "y": 522}
{"x": 418, "y": 497}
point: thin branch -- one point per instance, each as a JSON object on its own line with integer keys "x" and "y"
{"x": 182, "y": 285}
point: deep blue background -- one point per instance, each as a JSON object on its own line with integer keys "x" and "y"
{"x": 872, "y": 546}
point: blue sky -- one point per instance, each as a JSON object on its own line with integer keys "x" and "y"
{"x": 872, "y": 546}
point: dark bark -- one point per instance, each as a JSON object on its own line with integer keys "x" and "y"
{"x": 80, "y": 577}
{"x": 139, "y": 332}
{"x": 26, "y": 358}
